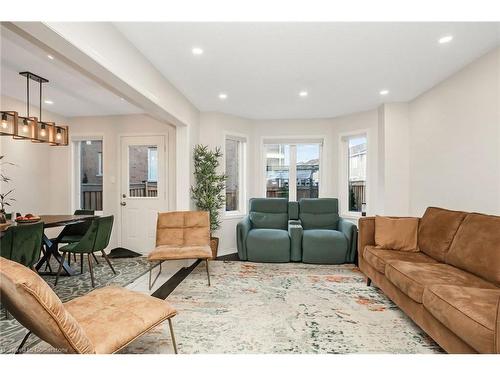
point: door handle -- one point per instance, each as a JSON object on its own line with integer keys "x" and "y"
{"x": 123, "y": 203}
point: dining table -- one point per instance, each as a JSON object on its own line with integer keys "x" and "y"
{"x": 51, "y": 246}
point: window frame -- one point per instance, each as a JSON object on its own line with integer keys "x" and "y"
{"x": 99, "y": 164}
{"x": 76, "y": 169}
{"x": 242, "y": 172}
{"x": 344, "y": 172}
{"x": 292, "y": 142}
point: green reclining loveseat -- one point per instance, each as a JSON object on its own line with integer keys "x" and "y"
{"x": 311, "y": 231}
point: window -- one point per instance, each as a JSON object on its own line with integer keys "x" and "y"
{"x": 143, "y": 171}
{"x": 152, "y": 164}
{"x": 299, "y": 163}
{"x": 89, "y": 168}
{"x": 234, "y": 163}
{"x": 356, "y": 172}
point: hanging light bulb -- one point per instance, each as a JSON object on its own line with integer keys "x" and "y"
{"x": 25, "y": 126}
{"x": 58, "y": 134}
{"x": 5, "y": 124}
{"x": 43, "y": 132}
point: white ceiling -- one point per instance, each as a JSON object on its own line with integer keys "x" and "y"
{"x": 73, "y": 93}
{"x": 263, "y": 66}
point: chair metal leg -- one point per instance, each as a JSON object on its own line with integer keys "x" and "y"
{"x": 69, "y": 260}
{"x": 74, "y": 257}
{"x": 81, "y": 263}
{"x": 108, "y": 261}
{"x": 91, "y": 270}
{"x": 18, "y": 351}
{"x": 60, "y": 268}
{"x": 368, "y": 281}
{"x": 95, "y": 258}
{"x": 157, "y": 276}
{"x": 172, "y": 335}
{"x": 208, "y": 273}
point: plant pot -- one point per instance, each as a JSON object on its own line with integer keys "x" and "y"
{"x": 214, "y": 245}
{"x": 3, "y": 220}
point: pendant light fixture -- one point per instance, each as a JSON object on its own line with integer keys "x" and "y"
{"x": 33, "y": 128}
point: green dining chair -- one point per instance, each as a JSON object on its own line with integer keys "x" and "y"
{"x": 74, "y": 232}
{"x": 22, "y": 243}
{"x": 95, "y": 239}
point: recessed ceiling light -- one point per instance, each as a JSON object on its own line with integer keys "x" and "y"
{"x": 48, "y": 101}
{"x": 303, "y": 94}
{"x": 445, "y": 39}
{"x": 50, "y": 57}
{"x": 122, "y": 99}
{"x": 197, "y": 51}
{"x": 222, "y": 96}
{"x": 384, "y": 92}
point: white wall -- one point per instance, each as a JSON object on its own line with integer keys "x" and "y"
{"x": 455, "y": 141}
{"x": 111, "y": 128}
{"x": 213, "y": 127}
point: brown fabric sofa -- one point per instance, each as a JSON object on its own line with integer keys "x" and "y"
{"x": 450, "y": 287}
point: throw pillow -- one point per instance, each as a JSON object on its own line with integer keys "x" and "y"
{"x": 396, "y": 233}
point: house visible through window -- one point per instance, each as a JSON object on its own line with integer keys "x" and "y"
{"x": 292, "y": 162}
{"x": 90, "y": 161}
{"x": 357, "y": 172}
{"x": 234, "y": 162}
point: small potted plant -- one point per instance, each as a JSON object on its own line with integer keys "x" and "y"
{"x": 208, "y": 191}
{"x": 5, "y": 198}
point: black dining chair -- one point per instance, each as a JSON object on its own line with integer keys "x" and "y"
{"x": 95, "y": 239}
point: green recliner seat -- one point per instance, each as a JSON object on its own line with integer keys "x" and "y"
{"x": 327, "y": 238}
{"x": 263, "y": 235}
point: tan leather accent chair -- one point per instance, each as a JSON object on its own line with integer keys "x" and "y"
{"x": 181, "y": 235}
{"x": 101, "y": 322}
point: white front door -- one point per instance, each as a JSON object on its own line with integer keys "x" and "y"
{"x": 143, "y": 190}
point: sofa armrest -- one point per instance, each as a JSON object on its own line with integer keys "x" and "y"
{"x": 366, "y": 234}
{"x": 242, "y": 229}
{"x": 349, "y": 229}
{"x": 295, "y": 232}
{"x": 497, "y": 333}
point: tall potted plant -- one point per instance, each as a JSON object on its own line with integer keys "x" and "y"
{"x": 208, "y": 190}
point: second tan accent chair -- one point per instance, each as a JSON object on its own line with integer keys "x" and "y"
{"x": 101, "y": 322}
{"x": 181, "y": 235}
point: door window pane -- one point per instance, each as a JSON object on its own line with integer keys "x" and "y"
{"x": 233, "y": 174}
{"x": 357, "y": 172}
{"x": 307, "y": 170}
{"x": 277, "y": 170}
{"x": 143, "y": 164}
{"x": 91, "y": 175}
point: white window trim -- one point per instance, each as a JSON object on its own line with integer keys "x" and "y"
{"x": 99, "y": 164}
{"x": 293, "y": 141}
{"x": 75, "y": 168}
{"x": 242, "y": 174}
{"x": 344, "y": 172}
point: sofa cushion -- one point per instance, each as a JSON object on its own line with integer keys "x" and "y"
{"x": 270, "y": 205}
{"x": 470, "y": 313}
{"x": 436, "y": 231}
{"x": 476, "y": 247}
{"x": 378, "y": 258}
{"x": 324, "y": 246}
{"x": 269, "y": 220}
{"x": 268, "y": 245}
{"x": 113, "y": 316}
{"x": 319, "y": 213}
{"x": 412, "y": 278}
{"x": 396, "y": 233}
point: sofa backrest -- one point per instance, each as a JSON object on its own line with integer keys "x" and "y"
{"x": 436, "y": 231}
{"x": 476, "y": 247}
{"x": 269, "y": 213}
{"x": 35, "y": 305}
{"x": 319, "y": 213}
{"x": 183, "y": 228}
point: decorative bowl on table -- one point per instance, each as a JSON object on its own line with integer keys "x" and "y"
{"x": 28, "y": 218}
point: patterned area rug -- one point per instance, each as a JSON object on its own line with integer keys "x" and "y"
{"x": 284, "y": 308}
{"x": 127, "y": 270}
